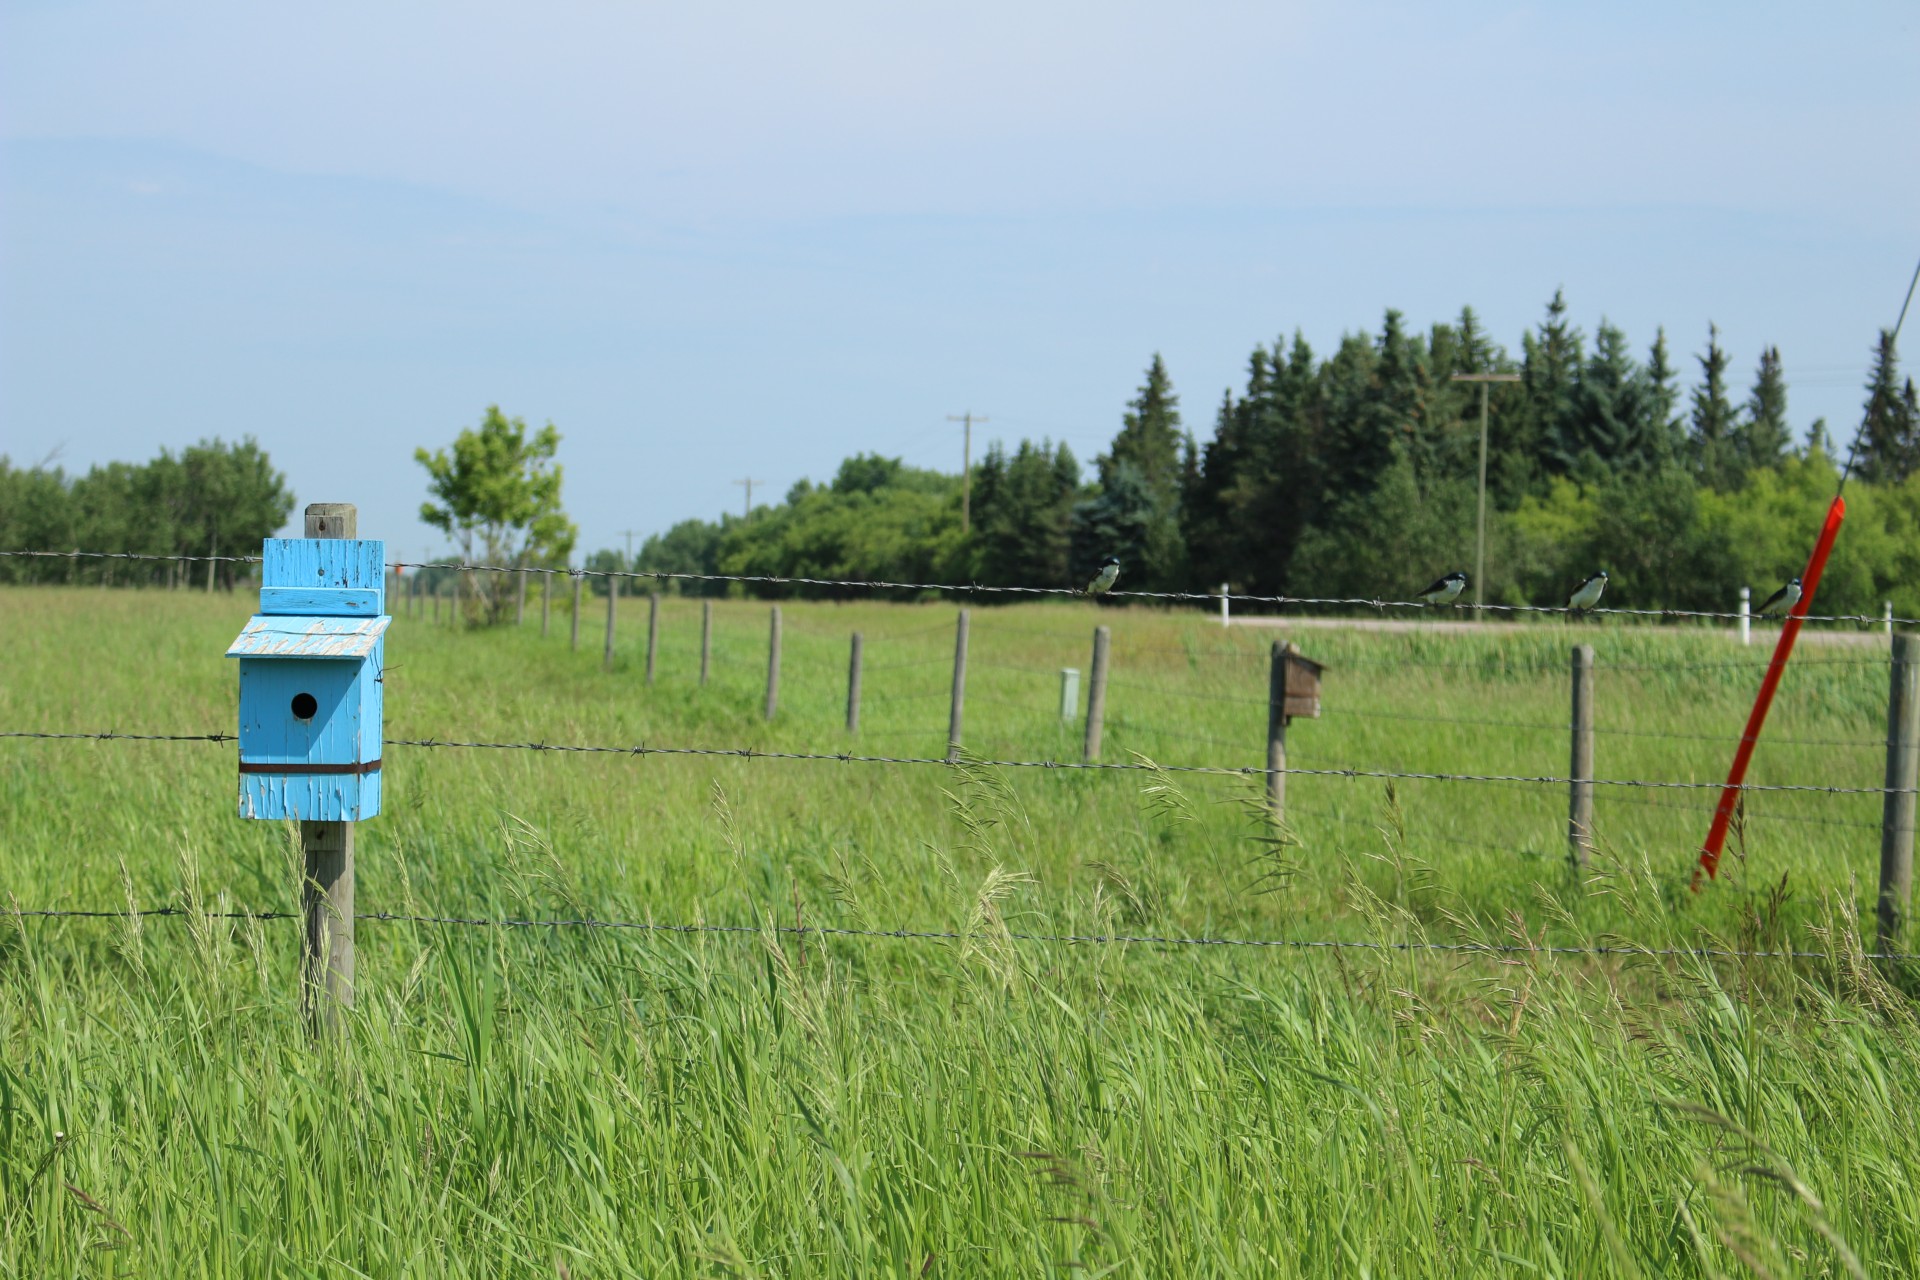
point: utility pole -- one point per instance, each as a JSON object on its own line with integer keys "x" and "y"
{"x": 749, "y": 483}
{"x": 966, "y": 466}
{"x": 1480, "y": 537}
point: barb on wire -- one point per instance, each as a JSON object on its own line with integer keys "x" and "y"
{"x": 949, "y": 935}
{"x": 848, "y": 757}
{"x": 111, "y": 736}
{"x": 976, "y": 588}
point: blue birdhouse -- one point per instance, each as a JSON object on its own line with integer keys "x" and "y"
{"x": 310, "y": 681}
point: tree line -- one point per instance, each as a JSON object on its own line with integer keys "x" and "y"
{"x": 1354, "y": 473}
{"x": 211, "y": 499}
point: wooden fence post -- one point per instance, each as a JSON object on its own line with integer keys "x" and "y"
{"x": 546, "y": 602}
{"x": 773, "y": 663}
{"x": 520, "y": 598}
{"x": 1277, "y": 732}
{"x": 706, "y": 639}
{"x": 1580, "y": 788}
{"x": 1097, "y": 695}
{"x": 653, "y": 631}
{"x": 1069, "y": 693}
{"x": 1897, "y": 815}
{"x": 326, "y": 848}
{"x": 436, "y": 602}
{"x": 579, "y": 583}
{"x": 957, "y": 709}
{"x": 453, "y": 614}
{"x": 613, "y": 593}
{"x": 853, "y": 686}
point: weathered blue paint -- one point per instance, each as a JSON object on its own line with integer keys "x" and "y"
{"x": 327, "y": 660}
{"x": 355, "y": 602}
{"x": 276, "y": 637}
{"x": 324, "y": 562}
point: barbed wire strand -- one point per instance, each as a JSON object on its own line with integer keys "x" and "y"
{"x": 848, "y": 757}
{"x": 950, "y": 935}
{"x": 975, "y": 588}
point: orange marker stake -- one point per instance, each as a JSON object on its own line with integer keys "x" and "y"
{"x": 1717, "y": 834}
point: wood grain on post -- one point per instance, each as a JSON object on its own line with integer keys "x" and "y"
{"x": 1097, "y": 695}
{"x": 653, "y": 631}
{"x": 706, "y": 639}
{"x": 1580, "y": 788}
{"x": 853, "y": 686}
{"x": 773, "y": 663}
{"x": 1277, "y": 732}
{"x": 326, "y": 848}
{"x": 957, "y": 710}
{"x": 613, "y": 594}
{"x": 1897, "y": 815}
{"x": 579, "y": 583}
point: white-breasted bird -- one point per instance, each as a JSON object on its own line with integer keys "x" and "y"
{"x": 1445, "y": 590}
{"x": 1782, "y": 600}
{"x": 1103, "y": 580}
{"x": 1587, "y": 594}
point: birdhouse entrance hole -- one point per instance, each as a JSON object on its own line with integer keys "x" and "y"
{"x": 304, "y": 706}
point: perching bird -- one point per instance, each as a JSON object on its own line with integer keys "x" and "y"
{"x": 1783, "y": 599}
{"x": 1446, "y": 590}
{"x": 1587, "y": 594}
{"x": 1109, "y": 570}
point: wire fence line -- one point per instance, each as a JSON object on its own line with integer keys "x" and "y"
{"x": 974, "y": 588}
{"x": 951, "y": 935}
{"x": 849, "y": 757}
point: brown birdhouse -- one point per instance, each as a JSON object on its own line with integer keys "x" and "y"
{"x": 1300, "y": 676}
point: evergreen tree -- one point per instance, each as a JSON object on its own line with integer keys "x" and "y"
{"x": 1889, "y": 441}
{"x": 1819, "y": 440}
{"x": 1148, "y": 445}
{"x": 1550, "y": 368}
{"x": 1024, "y": 525}
{"x": 1763, "y": 434}
{"x": 1716, "y": 457}
{"x": 1611, "y": 424}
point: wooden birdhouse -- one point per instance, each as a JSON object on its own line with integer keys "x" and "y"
{"x": 310, "y": 682}
{"x": 1301, "y": 685}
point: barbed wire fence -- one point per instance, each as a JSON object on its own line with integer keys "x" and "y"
{"x": 1130, "y": 729}
{"x": 976, "y": 589}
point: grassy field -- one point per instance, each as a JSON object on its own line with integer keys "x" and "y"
{"x": 581, "y": 1102}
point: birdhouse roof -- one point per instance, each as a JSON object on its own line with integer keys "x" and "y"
{"x": 292, "y": 636}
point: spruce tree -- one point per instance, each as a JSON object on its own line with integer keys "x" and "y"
{"x": 1889, "y": 441}
{"x": 1716, "y": 457}
{"x": 1550, "y": 366}
{"x": 1606, "y": 424}
{"x": 1763, "y": 434}
{"x": 1148, "y": 448}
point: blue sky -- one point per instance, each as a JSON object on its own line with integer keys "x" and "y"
{"x": 736, "y": 239}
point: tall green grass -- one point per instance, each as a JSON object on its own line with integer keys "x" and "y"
{"x": 582, "y": 1102}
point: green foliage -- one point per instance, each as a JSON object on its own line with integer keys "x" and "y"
{"x": 1890, "y": 431}
{"x": 1713, "y": 422}
{"x": 1023, "y": 515}
{"x": 498, "y": 493}
{"x": 1140, "y": 481}
{"x": 214, "y": 498}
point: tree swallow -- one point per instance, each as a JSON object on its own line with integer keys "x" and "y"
{"x": 1587, "y": 594}
{"x": 1783, "y": 599}
{"x": 1446, "y": 590}
{"x": 1109, "y": 570}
